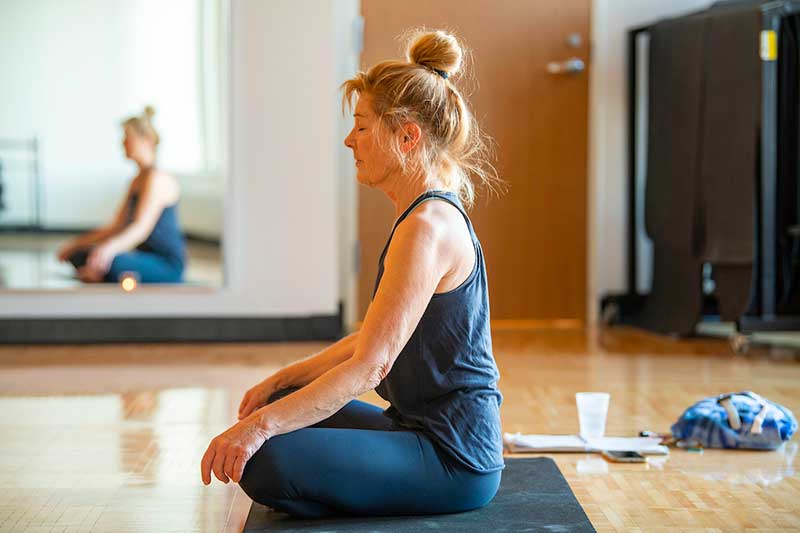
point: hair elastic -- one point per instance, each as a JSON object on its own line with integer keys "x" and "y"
{"x": 441, "y": 73}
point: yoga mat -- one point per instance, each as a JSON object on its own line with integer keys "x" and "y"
{"x": 533, "y": 496}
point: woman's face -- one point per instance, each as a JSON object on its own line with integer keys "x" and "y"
{"x": 135, "y": 145}
{"x": 373, "y": 161}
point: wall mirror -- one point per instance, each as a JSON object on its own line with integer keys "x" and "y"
{"x": 78, "y": 79}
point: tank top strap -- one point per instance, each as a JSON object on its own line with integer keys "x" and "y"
{"x": 452, "y": 198}
{"x": 427, "y": 196}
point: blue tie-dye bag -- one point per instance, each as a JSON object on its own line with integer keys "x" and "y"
{"x": 735, "y": 420}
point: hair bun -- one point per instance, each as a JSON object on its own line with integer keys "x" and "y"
{"x": 436, "y": 50}
{"x": 149, "y": 111}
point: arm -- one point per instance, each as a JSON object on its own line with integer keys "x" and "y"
{"x": 154, "y": 197}
{"x": 412, "y": 271}
{"x": 298, "y": 374}
{"x": 101, "y": 234}
{"x": 303, "y": 372}
{"x": 156, "y": 192}
{"x": 92, "y": 237}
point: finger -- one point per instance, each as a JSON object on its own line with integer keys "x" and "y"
{"x": 251, "y": 406}
{"x": 238, "y": 469}
{"x": 230, "y": 458}
{"x": 86, "y": 274}
{"x": 247, "y": 410}
{"x": 205, "y": 464}
{"x": 245, "y": 401}
{"x": 219, "y": 463}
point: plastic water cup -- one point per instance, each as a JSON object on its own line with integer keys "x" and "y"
{"x": 592, "y": 411}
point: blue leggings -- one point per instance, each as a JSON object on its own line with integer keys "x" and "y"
{"x": 150, "y": 267}
{"x": 354, "y": 463}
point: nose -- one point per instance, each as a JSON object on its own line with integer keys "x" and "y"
{"x": 348, "y": 141}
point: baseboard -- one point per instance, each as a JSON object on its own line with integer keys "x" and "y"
{"x": 189, "y": 236}
{"x": 44, "y": 230}
{"x": 168, "y": 329}
{"x": 202, "y": 239}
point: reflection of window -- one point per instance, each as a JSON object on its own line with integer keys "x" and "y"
{"x": 74, "y": 70}
{"x": 173, "y": 52}
{"x": 213, "y": 63}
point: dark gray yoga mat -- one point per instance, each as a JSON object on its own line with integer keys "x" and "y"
{"x": 533, "y": 496}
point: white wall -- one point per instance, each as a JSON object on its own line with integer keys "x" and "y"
{"x": 281, "y": 212}
{"x": 349, "y": 37}
{"x": 611, "y": 19}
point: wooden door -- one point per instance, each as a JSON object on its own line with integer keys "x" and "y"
{"x": 534, "y": 236}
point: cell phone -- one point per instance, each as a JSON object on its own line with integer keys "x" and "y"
{"x": 625, "y": 457}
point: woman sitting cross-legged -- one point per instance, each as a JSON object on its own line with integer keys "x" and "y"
{"x": 144, "y": 238}
{"x": 303, "y": 444}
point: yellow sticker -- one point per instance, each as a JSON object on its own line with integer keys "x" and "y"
{"x": 769, "y": 45}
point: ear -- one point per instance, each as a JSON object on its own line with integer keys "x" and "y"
{"x": 411, "y": 134}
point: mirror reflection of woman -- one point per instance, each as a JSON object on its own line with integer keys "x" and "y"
{"x": 144, "y": 238}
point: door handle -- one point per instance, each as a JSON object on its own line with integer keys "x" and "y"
{"x": 572, "y": 65}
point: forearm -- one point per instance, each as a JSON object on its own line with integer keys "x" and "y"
{"x": 303, "y": 372}
{"x": 129, "y": 238}
{"x": 92, "y": 237}
{"x": 317, "y": 400}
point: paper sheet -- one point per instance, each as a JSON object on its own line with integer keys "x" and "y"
{"x": 518, "y": 442}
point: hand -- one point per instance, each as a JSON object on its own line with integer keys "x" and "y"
{"x": 256, "y": 397}
{"x": 101, "y": 256}
{"x": 65, "y": 251}
{"x": 229, "y": 451}
{"x": 88, "y": 275}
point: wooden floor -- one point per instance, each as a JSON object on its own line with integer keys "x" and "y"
{"x": 109, "y": 438}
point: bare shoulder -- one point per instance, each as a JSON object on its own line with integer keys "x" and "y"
{"x": 164, "y": 178}
{"x": 164, "y": 185}
{"x": 446, "y": 219}
{"x": 437, "y": 226}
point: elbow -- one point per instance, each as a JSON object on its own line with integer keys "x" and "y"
{"x": 138, "y": 233}
{"x": 376, "y": 372}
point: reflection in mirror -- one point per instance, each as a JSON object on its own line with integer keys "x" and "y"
{"x": 111, "y": 143}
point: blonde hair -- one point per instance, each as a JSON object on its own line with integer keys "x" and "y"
{"x": 421, "y": 90}
{"x": 142, "y": 124}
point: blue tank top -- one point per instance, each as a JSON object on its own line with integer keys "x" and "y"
{"x": 166, "y": 238}
{"x": 444, "y": 382}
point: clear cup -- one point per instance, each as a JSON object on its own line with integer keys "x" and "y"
{"x": 592, "y": 411}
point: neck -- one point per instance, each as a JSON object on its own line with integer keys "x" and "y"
{"x": 404, "y": 189}
{"x": 145, "y": 163}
